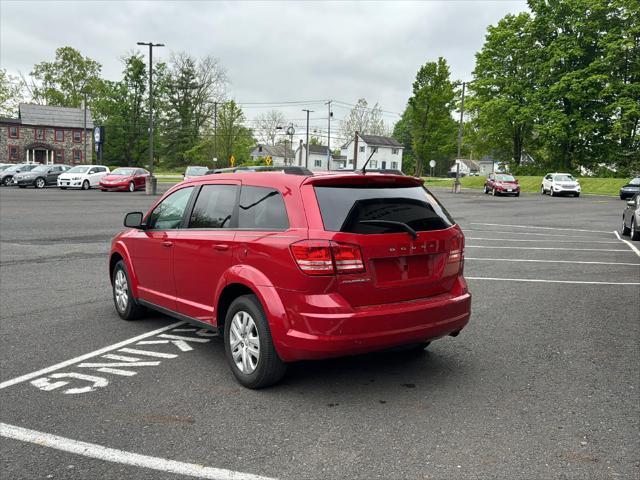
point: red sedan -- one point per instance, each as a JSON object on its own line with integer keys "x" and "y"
{"x": 124, "y": 179}
{"x": 502, "y": 184}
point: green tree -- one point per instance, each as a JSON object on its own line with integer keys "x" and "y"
{"x": 232, "y": 137}
{"x": 501, "y": 98}
{"x": 64, "y": 81}
{"x": 433, "y": 130}
{"x": 402, "y": 133}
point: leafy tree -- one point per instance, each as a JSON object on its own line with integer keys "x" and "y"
{"x": 12, "y": 91}
{"x": 363, "y": 119}
{"x": 402, "y": 133}
{"x": 266, "y": 126}
{"x": 433, "y": 130}
{"x": 502, "y": 92}
{"x": 232, "y": 137}
{"x": 64, "y": 81}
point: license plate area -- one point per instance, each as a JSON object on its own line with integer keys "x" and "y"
{"x": 404, "y": 268}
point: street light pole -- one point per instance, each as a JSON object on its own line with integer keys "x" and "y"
{"x": 329, "y": 156}
{"x": 456, "y": 185}
{"x": 151, "y": 181}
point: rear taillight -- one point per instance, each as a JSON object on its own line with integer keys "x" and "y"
{"x": 456, "y": 253}
{"x": 323, "y": 257}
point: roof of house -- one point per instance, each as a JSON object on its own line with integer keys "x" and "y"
{"x": 47, "y": 115}
{"x": 272, "y": 150}
{"x": 472, "y": 164}
{"x": 377, "y": 141}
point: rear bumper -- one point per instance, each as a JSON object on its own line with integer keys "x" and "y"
{"x": 336, "y": 330}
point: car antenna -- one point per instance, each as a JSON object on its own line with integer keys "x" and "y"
{"x": 364, "y": 167}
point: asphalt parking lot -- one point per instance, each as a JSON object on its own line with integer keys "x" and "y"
{"x": 543, "y": 383}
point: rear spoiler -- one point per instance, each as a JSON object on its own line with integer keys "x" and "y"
{"x": 361, "y": 180}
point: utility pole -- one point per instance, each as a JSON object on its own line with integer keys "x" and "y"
{"x": 215, "y": 130}
{"x": 151, "y": 182}
{"x": 306, "y": 157}
{"x": 329, "y": 114}
{"x": 456, "y": 185}
{"x": 355, "y": 153}
{"x": 85, "y": 128}
{"x": 290, "y": 132}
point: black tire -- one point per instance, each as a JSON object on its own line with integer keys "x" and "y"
{"x": 634, "y": 233}
{"x": 624, "y": 230}
{"x": 7, "y": 181}
{"x": 269, "y": 368}
{"x": 577, "y": 195}
{"x": 493, "y": 192}
{"x": 551, "y": 194}
{"x": 542, "y": 191}
{"x": 86, "y": 185}
{"x": 22, "y": 186}
{"x": 132, "y": 310}
{"x": 132, "y": 187}
{"x": 63, "y": 188}
{"x": 39, "y": 182}
{"x": 517, "y": 194}
{"x": 486, "y": 190}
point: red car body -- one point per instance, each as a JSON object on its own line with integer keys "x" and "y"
{"x": 502, "y": 184}
{"x": 122, "y": 179}
{"x": 378, "y": 290}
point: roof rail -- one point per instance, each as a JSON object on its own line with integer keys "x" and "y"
{"x": 257, "y": 168}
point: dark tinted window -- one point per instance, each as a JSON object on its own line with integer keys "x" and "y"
{"x": 168, "y": 214}
{"x": 214, "y": 207}
{"x": 344, "y": 208}
{"x": 262, "y": 208}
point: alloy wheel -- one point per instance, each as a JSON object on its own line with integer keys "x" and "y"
{"x": 244, "y": 341}
{"x": 121, "y": 290}
{"x": 40, "y": 183}
{"x": 132, "y": 187}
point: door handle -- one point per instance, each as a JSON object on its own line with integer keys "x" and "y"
{"x": 167, "y": 244}
{"x": 221, "y": 246}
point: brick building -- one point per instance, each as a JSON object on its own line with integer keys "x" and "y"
{"x": 46, "y": 134}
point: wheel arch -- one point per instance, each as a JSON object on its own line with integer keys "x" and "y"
{"x": 120, "y": 252}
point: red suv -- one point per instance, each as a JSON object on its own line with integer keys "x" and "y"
{"x": 296, "y": 266}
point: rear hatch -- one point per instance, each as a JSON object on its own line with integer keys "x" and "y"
{"x": 410, "y": 246}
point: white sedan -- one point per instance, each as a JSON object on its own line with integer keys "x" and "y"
{"x": 82, "y": 176}
{"x": 560, "y": 184}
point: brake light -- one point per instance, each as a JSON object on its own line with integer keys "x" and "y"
{"x": 456, "y": 254}
{"x": 323, "y": 257}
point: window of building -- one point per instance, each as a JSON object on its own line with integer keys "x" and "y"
{"x": 373, "y": 164}
{"x": 168, "y": 214}
{"x": 362, "y": 148}
{"x": 351, "y": 162}
{"x": 394, "y": 165}
{"x": 59, "y": 135}
{"x": 262, "y": 208}
{"x": 13, "y": 153}
{"x": 317, "y": 163}
{"x": 14, "y": 132}
{"x": 214, "y": 207}
{"x": 39, "y": 134}
{"x": 59, "y": 156}
{"x": 77, "y": 156}
{"x": 394, "y": 151}
{"x": 77, "y": 136}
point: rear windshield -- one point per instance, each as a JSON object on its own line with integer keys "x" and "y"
{"x": 352, "y": 209}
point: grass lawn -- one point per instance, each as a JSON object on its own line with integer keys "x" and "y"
{"x": 590, "y": 185}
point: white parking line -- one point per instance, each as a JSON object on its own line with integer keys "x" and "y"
{"x": 548, "y": 248}
{"x": 58, "y": 366}
{"x": 537, "y": 280}
{"x": 631, "y": 245}
{"x": 522, "y": 233}
{"x": 107, "y": 454}
{"x": 540, "y": 228}
{"x": 536, "y": 240}
{"x": 549, "y": 261}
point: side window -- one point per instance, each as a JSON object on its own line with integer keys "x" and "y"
{"x": 92, "y": 171}
{"x": 262, "y": 208}
{"x": 168, "y": 214}
{"x": 214, "y": 207}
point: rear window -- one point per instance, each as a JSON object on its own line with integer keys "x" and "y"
{"x": 344, "y": 209}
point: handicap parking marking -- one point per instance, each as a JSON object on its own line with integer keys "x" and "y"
{"x": 99, "y": 452}
{"x": 81, "y": 376}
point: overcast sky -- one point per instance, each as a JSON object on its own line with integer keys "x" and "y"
{"x": 273, "y": 51}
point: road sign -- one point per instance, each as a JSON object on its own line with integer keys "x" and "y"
{"x": 268, "y": 160}
{"x": 432, "y": 163}
{"x": 232, "y": 161}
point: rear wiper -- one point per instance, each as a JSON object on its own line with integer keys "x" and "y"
{"x": 401, "y": 225}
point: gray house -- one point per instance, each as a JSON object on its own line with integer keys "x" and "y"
{"x": 46, "y": 134}
{"x": 280, "y": 155}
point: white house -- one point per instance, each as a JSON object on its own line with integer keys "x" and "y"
{"x": 467, "y": 167}
{"x": 280, "y": 155}
{"x": 387, "y": 152}
{"x": 318, "y": 155}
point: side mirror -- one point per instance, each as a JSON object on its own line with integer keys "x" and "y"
{"x": 631, "y": 203}
{"x": 133, "y": 220}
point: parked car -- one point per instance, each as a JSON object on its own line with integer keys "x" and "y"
{"x": 631, "y": 218}
{"x": 40, "y": 177}
{"x": 4, "y": 166}
{"x": 192, "y": 172}
{"x": 82, "y": 176}
{"x": 501, "y": 184}
{"x": 6, "y": 175}
{"x": 560, "y": 184}
{"x": 630, "y": 189}
{"x": 294, "y": 266}
{"x": 123, "y": 179}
